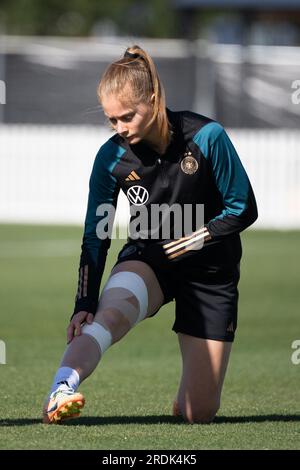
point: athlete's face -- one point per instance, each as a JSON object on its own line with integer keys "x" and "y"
{"x": 130, "y": 121}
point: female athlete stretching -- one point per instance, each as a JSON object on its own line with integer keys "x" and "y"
{"x": 185, "y": 164}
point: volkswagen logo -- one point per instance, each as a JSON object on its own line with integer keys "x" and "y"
{"x": 138, "y": 195}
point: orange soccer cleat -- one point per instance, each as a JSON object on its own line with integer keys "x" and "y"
{"x": 63, "y": 404}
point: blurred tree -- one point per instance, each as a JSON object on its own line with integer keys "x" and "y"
{"x": 153, "y": 18}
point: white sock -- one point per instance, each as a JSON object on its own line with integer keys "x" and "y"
{"x": 65, "y": 377}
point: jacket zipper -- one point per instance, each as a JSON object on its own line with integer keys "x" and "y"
{"x": 163, "y": 173}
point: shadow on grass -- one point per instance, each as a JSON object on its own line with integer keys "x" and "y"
{"x": 157, "y": 419}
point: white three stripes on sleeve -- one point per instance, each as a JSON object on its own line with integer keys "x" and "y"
{"x": 194, "y": 241}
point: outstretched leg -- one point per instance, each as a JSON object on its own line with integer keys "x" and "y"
{"x": 204, "y": 364}
{"x": 131, "y": 294}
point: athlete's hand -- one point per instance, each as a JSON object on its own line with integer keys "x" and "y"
{"x": 74, "y": 328}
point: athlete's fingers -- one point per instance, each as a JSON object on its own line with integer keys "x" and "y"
{"x": 70, "y": 332}
{"x": 75, "y": 325}
{"x": 78, "y": 325}
{"x": 90, "y": 318}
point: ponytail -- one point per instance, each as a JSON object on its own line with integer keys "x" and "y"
{"x": 137, "y": 70}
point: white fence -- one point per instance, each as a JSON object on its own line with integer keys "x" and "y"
{"x": 44, "y": 173}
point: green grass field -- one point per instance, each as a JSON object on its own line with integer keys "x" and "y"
{"x": 129, "y": 396}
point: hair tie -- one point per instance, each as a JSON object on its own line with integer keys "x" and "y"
{"x": 132, "y": 55}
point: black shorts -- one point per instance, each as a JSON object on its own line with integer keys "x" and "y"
{"x": 206, "y": 296}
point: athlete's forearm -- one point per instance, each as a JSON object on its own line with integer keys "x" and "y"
{"x": 176, "y": 248}
{"x": 231, "y": 221}
{"x": 89, "y": 279}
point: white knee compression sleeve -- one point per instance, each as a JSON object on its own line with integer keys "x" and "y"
{"x": 133, "y": 283}
{"x": 118, "y": 299}
{"x": 99, "y": 333}
{"x": 122, "y": 285}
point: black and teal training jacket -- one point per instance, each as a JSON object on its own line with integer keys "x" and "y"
{"x": 200, "y": 166}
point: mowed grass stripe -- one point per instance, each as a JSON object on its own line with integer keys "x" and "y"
{"x": 38, "y": 248}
